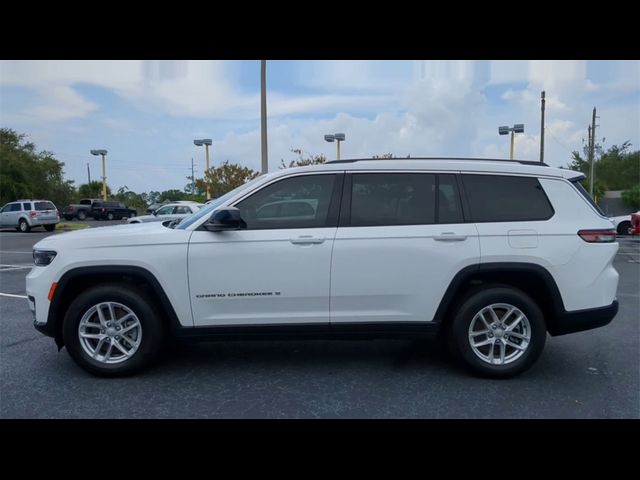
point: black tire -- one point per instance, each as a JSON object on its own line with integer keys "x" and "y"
{"x": 473, "y": 304}
{"x": 82, "y": 215}
{"x": 49, "y": 228}
{"x": 68, "y": 218}
{"x": 110, "y": 216}
{"x": 623, "y": 227}
{"x": 153, "y": 332}
{"x": 23, "y": 226}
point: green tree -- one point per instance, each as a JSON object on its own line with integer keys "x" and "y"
{"x": 225, "y": 178}
{"x": 92, "y": 190}
{"x": 632, "y": 197}
{"x": 27, "y": 173}
{"x": 301, "y": 161}
{"x": 616, "y": 168}
{"x": 131, "y": 199}
{"x": 172, "y": 195}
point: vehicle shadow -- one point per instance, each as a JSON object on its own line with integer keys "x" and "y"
{"x": 389, "y": 354}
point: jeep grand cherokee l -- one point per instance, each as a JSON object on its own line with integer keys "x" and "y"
{"x": 492, "y": 255}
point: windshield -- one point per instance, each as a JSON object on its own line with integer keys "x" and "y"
{"x": 208, "y": 209}
{"x": 585, "y": 194}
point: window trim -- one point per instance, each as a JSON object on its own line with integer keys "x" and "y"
{"x": 491, "y": 174}
{"x": 332, "y": 211}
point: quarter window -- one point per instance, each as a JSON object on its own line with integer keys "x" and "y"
{"x": 503, "y": 198}
{"x": 296, "y": 202}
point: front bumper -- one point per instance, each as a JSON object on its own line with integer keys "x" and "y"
{"x": 581, "y": 320}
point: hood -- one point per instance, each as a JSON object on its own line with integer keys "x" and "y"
{"x": 135, "y": 234}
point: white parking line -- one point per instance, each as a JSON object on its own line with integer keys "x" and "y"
{"x": 8, "y": 268}
{"x": 11, "y": 295}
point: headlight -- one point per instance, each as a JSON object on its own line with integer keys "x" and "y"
{"x": 43, "y": 257}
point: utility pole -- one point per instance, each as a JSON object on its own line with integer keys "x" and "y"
{"x": 88, "y": 173}
{"x": 193, "y": 179}
{"x": 263, "y": 114}
{"x": 592, "y": 151}
{"x": 542, "y": 128}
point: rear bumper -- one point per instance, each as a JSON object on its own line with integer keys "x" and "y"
{"x": 580, "y": 320}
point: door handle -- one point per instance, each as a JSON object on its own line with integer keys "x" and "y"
{"x": 449, "y": 237}
{"x": 306, "y": 240}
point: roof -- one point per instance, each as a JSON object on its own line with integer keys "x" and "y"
{"x": 476, "y": 165}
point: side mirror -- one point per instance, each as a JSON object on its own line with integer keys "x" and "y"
{"x": 155, "y": 212}
{"x": 226, "y": 218}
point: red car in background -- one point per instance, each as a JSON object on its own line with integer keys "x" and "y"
{"x": 635, "y": 223}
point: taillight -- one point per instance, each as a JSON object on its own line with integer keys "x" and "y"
{"x": 33, "y": 213}
{"x": 598, "y": 236}
{"x": 104, "y": 210}
{"x": 71, "y": 209}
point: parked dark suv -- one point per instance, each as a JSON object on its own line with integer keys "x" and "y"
{"x": 105, "y": 210}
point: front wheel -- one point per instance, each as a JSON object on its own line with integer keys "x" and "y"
{"x": 82, "y": 215}
{"x": 110, "y": 216}
{"x": 112, "y": 331}
{"x": 498, "y": 332}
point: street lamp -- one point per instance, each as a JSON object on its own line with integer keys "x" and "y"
{"x": 338, "y": 137}
{"x": 206, "y": 142}
{"x": 104, "y": 171}
{"x": 517, "y": 128}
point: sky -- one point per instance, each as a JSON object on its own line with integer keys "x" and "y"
{"x": 147, "y": 113}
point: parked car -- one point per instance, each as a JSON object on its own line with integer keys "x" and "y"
{"x": 109, "y": 210}
{"x": 490, "y": 255}
{"x": 170, "y": 211}
{"x": 622, "y": 223}
{"x": 80, "y": 210}
{"x": 24, "y": 215}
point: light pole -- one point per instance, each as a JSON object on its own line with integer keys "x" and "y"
{"x": 104, "y": 171}
{"x": 263, "y": 117}
{"x": 517, "y": 128}
{"x": 206, "y": 142}
{"x": 338, "y": 137}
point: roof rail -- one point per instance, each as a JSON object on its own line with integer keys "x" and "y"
{"x": 522, "y": 162}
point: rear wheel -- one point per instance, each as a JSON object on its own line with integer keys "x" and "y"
{"x": 23, "y": 226}
{"x": 623, "y": 228}
{"x": 68, "y": 218}
{"x": 498, "y": 332}
{"x": 82, "y": 215}
{"x": 50, "y": 228}
{"x": 110, "y": 216}
{"x": 111, "y": 331}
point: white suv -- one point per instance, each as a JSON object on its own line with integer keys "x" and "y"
{"x": 491, "y": 255}
{"x": 24, "y": 215}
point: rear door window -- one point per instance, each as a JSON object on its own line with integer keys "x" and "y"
{"x": 26, "y": 206}
{"x": 381, "y": 199}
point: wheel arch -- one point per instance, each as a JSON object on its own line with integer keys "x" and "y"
{"x": 77, "y": 280}
{"x": 532, "y": 279}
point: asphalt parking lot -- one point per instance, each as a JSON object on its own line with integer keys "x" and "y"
{"x": 593, "y": 374}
